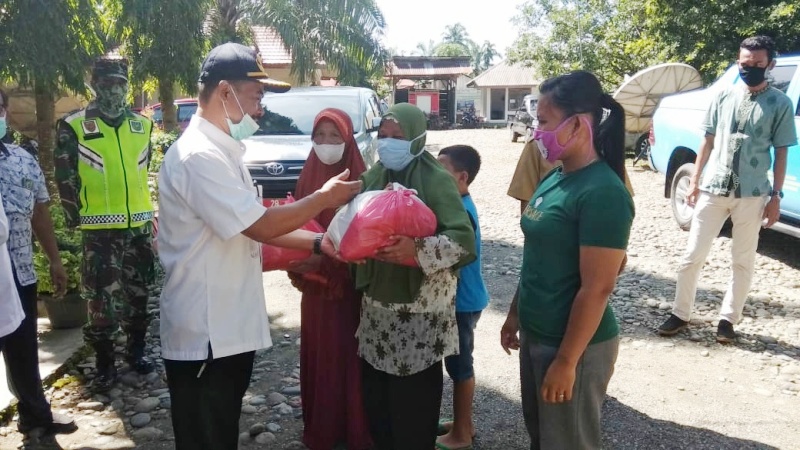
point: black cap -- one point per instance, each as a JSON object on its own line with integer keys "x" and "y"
{"x": 106, "y": 67}
{"x": 232, "y": 62}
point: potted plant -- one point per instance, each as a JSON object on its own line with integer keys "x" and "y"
{"x": 69, "y": 311}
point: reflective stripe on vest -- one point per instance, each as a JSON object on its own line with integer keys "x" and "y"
{"x": 112, "y": 165}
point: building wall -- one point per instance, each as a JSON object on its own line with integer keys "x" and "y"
{"x": 486, "y": 101}
{"x": 466, "y": 95}
{"x": 22, "y": 108}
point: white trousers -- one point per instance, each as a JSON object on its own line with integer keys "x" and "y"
{"x": 710, "y": 214}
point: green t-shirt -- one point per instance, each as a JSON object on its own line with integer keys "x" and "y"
{"x": 588, "y": 207}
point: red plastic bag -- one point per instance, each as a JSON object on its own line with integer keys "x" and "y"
{"x": 278, "y": 258}
{"x": 380, "y": 215}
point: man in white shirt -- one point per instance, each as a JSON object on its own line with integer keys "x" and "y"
{"x": 213, "y": 312}
{"x": 11, "y": 314}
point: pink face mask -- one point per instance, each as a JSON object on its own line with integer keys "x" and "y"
{"x": 547, "y": 141}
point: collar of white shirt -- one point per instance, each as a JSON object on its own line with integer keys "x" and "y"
{"x": 223, "y": 140}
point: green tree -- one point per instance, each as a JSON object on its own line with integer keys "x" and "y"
{"x": 48, "y": 45}
{"x": 616, "y": 38}
{"x": 446, "y": 49}
{"x": 423, "y": 49}
{"x": 345, "y": 34}
{"x": 707, "y": 34}
{"x": 165, "y": 42}
{"x": 559, "y": 36}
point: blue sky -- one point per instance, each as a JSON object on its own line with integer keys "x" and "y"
{"x": 411, "y": 21}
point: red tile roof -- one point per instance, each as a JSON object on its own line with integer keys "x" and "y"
{"x": 271, "y": 46}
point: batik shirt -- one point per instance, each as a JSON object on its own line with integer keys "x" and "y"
{"x": 406, "y": 338}
{"x": 23, "y": 186}
{"x": 745, "y": 126}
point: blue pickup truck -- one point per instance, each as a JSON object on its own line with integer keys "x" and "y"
{"x": 676, "y": 134}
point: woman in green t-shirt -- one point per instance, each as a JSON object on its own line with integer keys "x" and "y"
{"x": 576, "y": 229}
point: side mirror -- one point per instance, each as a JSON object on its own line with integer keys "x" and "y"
{"x": 376, "y": 123}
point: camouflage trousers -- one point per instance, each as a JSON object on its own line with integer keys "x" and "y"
{"x": 118, "y": 268}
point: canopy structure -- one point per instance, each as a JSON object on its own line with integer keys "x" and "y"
{"x": 639, "y": 95}
{"x": 428, "y": 67}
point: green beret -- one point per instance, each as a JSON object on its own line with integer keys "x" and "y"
{"x": 110, "y": 68}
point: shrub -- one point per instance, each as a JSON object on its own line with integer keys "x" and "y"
{"x": 160, "y": 141}
{"x": 70, "y": 246}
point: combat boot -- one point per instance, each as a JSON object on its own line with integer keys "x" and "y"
{"x": 106, "y": 371}
{"x": 136, "y": 357}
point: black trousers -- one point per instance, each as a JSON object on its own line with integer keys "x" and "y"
{"x": 205, "y": 410}
{"x": 403, "y": 412}
{"x": 21, "y": 354}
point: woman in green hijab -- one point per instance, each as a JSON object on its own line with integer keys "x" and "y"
{"x": 408, "y": 321}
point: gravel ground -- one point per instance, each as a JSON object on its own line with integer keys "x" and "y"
{"x": 686, "y": 392}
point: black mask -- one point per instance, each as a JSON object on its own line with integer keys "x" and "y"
{"x": 753, "y": 76}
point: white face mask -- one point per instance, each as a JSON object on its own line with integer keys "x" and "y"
{"x": 329, "y": 153}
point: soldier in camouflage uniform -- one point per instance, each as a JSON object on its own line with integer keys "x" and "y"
{"x": 102, "y": 157}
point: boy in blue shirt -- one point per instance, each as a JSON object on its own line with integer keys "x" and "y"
{"x": 463, "y": 162}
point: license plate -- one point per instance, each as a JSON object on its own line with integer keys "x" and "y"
{"x": 270, "y": 202}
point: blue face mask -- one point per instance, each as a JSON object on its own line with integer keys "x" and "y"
{"x": 245, "y": 128}
{"x": 3, "y": 127}
{"x": 395, "y": 154}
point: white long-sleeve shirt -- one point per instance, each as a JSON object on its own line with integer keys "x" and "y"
{"x": 11, "y": 313}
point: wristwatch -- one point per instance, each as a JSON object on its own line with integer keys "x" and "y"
{"x": 775, "y": 193}
{"x": 317, "y": 250}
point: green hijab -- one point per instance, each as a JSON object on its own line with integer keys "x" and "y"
{"x": 393, "y": 283}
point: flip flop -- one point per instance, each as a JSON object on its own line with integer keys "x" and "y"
{"x": 441, "y": 446}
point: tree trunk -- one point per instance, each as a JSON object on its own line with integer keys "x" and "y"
{"x": 45, "y": 130}
{"x": 166, "y": 95}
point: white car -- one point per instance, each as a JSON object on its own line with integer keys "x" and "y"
{"x": 275, "y": 155}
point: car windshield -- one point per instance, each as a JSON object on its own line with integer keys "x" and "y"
{"x": 294, "y": 114}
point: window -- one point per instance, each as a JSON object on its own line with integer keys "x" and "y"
{"x": 516, "y": 99}
{"x": 294, "y": 114}
{"x": 497, "y": 101}
{"x": 186, "y": 111}
{"x": 373, "y": 110}
{"x": 781, "y": 76}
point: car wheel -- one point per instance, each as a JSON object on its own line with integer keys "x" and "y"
{"x": 680, "y": 189}
{"x": 642, "y": 149}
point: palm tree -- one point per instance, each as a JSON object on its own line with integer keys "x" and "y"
{"x": 476, "y": 57}
{"x": 424, "y": 49}
{"x": 345, "y": 34}
{"x": 455, "y": 34}
{"x": 481, "y": 56}
{"x": 48, "y": 48}
{"x": 227, "y": 23}
{"x": 165, "y": 42}
{"x": 489, "y": 52}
